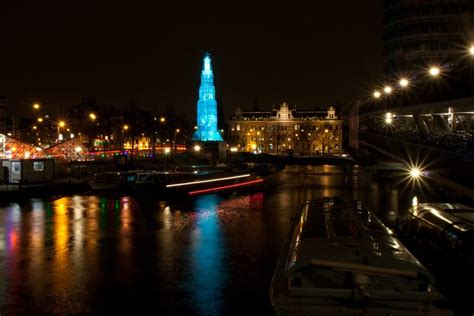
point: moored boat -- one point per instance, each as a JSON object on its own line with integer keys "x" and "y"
{"x": 339, "y": 259}
{"x": 112, "y": 180}
{"x": 444, "y": 227}
{"x": 192, "y": 183}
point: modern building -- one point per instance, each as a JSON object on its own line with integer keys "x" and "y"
{"x": 419, "y": 33}
{"x": 286, "y": 130}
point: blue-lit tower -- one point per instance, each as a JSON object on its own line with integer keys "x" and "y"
{"x": 207, "y": 106}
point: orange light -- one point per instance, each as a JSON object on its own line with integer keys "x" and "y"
{"x": 404, "y": 82}
{"x": 434, "y": 71}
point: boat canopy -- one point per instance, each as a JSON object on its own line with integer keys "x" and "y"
{"x": 333, "y": 230}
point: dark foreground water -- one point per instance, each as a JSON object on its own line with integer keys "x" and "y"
{"x": 211, "y": 255}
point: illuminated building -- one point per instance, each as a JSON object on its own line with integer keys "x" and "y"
{"x": 285, "y": 130}
{"x": 207, "y": 106}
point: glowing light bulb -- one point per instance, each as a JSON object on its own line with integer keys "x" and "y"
{"x": 434, "y": 71}
{"x": 404, "y": 82}
{"x": 377, "y": 94}
{"x": 415, "y": 172}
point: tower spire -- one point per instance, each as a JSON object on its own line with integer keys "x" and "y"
{"x": 207, "y": 105}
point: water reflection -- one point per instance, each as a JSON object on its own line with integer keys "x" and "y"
{"x": 208, "y": 269}
{"x": 97, "y": 254}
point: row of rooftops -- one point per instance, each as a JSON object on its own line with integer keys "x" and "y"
{"x": 284, "y": 112}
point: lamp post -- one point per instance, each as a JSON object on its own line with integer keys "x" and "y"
{"x": 124, "y": 128}
{"x": 60, "y": 125}
{"x": 174, "y": 140}
{"x": 326, "y": 132}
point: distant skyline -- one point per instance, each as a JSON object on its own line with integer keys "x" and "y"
{"x": 308, "y": 55}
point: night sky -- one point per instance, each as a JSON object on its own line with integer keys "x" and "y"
{"x": 309, "y": 55}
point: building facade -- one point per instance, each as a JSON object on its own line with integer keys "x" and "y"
{"x": 285, "y": 130}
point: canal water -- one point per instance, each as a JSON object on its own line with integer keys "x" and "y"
{"x": 212, "y": 255}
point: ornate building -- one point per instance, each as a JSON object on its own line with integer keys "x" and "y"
{"x": 286, "y": 130}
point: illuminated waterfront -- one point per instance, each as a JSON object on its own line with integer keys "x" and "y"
{"x": 214, "y": 254}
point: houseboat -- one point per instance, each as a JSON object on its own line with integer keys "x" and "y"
{"x": 113, "y": 180}
{"x": 442, "y": 227}
{"x": 339, "y": 259}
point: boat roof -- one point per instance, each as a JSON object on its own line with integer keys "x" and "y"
{"x": 449, "y": 212}
{"x": 338, "y": 230}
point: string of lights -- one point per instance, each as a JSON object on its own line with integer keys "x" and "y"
{"x": 403, "y": 82}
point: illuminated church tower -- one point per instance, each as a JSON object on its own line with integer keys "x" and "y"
{"x": 207, "y": 106}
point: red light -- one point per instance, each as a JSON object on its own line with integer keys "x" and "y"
{"x": 226, "y": 187}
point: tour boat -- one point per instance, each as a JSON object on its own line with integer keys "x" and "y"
{"x": 112, "y": 180}
{"x": 193, "y": 183}
{"x": 339, "y": 259}
{"x": 446, "y": 227}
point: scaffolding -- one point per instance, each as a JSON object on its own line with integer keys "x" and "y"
{"x": 71, "y": 149}
{"x": 11, "y": 148}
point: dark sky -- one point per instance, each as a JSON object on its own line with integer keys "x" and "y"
{"x": 309, "y": 55}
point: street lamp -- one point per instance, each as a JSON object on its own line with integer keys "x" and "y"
{"x": 197, "y": 148}
{"x": 124, "y": 128}
{"x": 174, "y": 140}
{"x": 471, "y": 50}
{"x": 92, "y": 116}
{"x": 40, "y": 119}
{"x": 404, "y": 82}
{"x": 434, "y": 71}
{"x": 415, "y": 173}
{"x": 326, "y": 131}
{"x": 36, "y": 106}
{"x": 377, "y": 94}
{"x": 387, "y": 89}
{"x": 162, "y": 119}
{"x": 60, "y": 125}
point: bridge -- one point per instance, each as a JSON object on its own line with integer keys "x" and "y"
{"x": 438, "y": 134}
